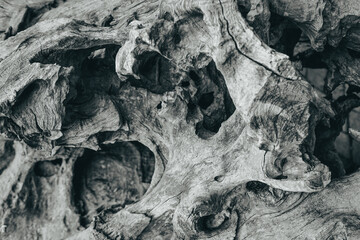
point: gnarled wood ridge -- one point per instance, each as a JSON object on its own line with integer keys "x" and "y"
{"x": 177, "y": 119}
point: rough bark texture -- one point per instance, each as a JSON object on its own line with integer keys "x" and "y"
{"x": 179, "y": 119}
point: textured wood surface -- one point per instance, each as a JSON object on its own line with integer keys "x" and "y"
{"x": 177, "y": 119}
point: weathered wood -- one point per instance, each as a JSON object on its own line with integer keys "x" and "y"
{"x": 233, "y": 138}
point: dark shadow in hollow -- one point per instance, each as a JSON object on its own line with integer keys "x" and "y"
{"x": 283, "y": 34}
{"x": 327, "y": 132}
{"x": 212, "y": 100}
{"x": 119, "y": 174}
{"x": 7, "y": 154}
{"x": 156, "y": 73}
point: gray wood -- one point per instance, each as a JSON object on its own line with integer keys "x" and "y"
{"x": 176, "y": 120}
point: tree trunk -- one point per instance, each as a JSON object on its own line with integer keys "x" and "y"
{"x": 179, "y": 119}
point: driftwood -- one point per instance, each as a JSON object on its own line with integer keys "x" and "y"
{"x": 177, "y": 119}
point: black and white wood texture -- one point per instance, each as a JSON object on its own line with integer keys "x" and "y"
{"x": 177, "y": 119}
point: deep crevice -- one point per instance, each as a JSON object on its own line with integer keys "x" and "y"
{"x": 211, "y": 223}
{"x": 119, "y": 174}
{"x": 155, "y": 72}
{"x": 244, "y": 7}
{"x": 28, "y": 91}
{"x": 206, "y": 100}
{"x": 71, "y": 57}
{"x": 312, "y": 60}
{"x": 328, "y": 131}
{"x": 91, "y": 71}
{"x": 211, "y": 100}
{"x": 284, "y": 34}
{"x": 47, "y": 168}
{"x": 256, "y": 187}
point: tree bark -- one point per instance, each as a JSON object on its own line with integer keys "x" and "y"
{"x": 177, "y": 119}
